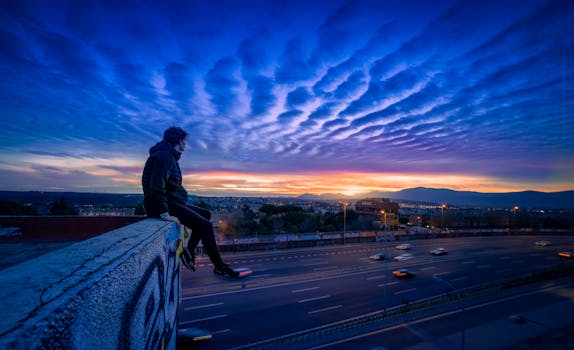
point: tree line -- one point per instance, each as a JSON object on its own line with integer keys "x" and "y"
{"x": 278, "y": 219}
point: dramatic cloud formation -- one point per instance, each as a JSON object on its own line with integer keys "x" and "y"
{"x": 289, "y": 97}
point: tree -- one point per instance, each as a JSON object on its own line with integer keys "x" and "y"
{"x": 61, "y": 207}
{"x": 16, "y": 209}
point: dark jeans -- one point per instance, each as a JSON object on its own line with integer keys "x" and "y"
{"x": 197, "y": 219}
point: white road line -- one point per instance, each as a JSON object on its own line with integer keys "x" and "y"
{"x": 468, "y": 262}
{"x": 202, "y": 306}
{"x": 483, "y": 266}
{"x": 428, "y": 268}
{"x": 388, "y": 284}
{"x": 260, "y": 276}
{"x": 375, "y": 277}
{"x": 405, "y": 291}
{"x": 325, "y": 309}
{"x": 203, "y": 319}
{"x": 316, "y": 263}
{"x": 221, "y": 331}
{"x": 313, "y": 299}
{"x": 304, "y": 290}
{"x": 442, "y": 273}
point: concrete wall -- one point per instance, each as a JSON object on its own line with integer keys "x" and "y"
{"x": 119, "y": 290}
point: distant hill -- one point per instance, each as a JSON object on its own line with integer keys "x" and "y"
{"x": 525, "y": 199}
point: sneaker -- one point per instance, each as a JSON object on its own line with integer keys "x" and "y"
{"x": 225, "y": 271}
{"x": 188, "y": 259}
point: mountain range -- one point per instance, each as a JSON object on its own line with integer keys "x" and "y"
{"x": 524, "y": 199}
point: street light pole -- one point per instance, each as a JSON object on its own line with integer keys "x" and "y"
{"x": 442, "y": 216}
{"x": 344, "y": 220}
{"x": 463, "y": 331}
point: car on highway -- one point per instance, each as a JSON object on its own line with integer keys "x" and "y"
{"x": 565, "y": 254}
{"x": 378, "y": 256}
{"x": 404, "y": 246}
{"x": 438, "y": 251}
{"x": 403, "y": 273}
{"x": 403, "y": 257}
{"x": 543, "y": 243}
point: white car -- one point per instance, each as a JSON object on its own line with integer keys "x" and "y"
{"x": 403, "y": 257}
{"x": 378, "y": 256}
{"x": 438, "y": 251}
{"x": 404, "y": 246}
{"x": 542, "y": 243}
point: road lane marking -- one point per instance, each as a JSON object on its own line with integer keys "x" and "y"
{"x": 304, "y": 290}
{"x": 316, "y": 264}
{"x": 468, "y": 262}
{"x": 313, "y": 299}
{"x": 325, "y": 309}
{"x": 483, "y": 266}
{"x": 388, "y": 284}
{"x": 203, "y": 319}
{"x": 221, "y": 331}
{"x": 428, "y": 268}
{"x": 442, "y": 273}
{"x": 202, "y": 306}
{"x": 375, "y": 277}
{"x": 405, "y": 291}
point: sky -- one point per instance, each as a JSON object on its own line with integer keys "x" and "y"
{"x": 289, "y": 97}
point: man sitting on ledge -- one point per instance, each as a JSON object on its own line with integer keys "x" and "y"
{"x": 165, "y": 198}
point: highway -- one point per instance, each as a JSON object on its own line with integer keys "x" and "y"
{"x": 297, "y": 290}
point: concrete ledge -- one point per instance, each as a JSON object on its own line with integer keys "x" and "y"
{"x": 119, "y": 290}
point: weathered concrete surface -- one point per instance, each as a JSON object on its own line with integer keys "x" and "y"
{"x": 119, "y": 290}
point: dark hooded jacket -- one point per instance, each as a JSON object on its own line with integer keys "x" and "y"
{"x": 161, "y": 180}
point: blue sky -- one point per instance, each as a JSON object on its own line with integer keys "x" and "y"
{"x": 289, "y": 97}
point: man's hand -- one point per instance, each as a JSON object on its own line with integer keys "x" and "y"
{"x": 172, "y": 219}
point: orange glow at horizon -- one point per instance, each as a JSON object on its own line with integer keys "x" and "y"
{"x": 348, "y": 183}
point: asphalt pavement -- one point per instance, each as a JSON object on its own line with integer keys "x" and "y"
{"x": 297, "y": 291}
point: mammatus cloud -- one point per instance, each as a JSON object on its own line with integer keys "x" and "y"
{"x": 482, "y": 91}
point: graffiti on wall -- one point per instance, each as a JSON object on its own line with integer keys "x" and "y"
{"x": 149, "y": 320}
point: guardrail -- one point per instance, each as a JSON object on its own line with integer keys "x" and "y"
{"x": 271, "y": 242}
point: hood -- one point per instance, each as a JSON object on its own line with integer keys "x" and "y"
{"x": 165, "y": 146}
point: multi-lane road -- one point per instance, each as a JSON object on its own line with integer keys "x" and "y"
{"x": 297, "y": 290}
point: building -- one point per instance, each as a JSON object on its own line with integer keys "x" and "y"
{"x": 380, "y": 209}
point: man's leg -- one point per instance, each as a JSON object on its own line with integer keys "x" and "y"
{"x": 201, "y": 229}
{"x": 194, "y": 239}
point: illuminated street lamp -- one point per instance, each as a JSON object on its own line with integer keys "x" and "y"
{"x": 344, "y": 220}
{"x": 514, "y": 210}
{"x": 385, "y": 219}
